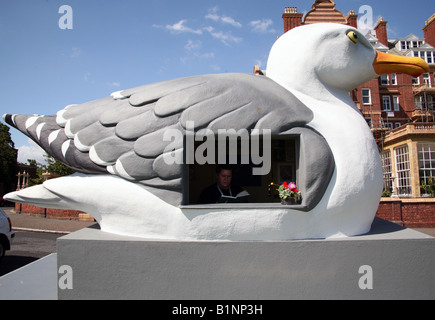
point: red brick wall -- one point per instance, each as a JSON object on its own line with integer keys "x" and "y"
{"x": 411, "y": 213}
{"x": 407, "y": 97}
{"x": 292, "y": 21}
{"x": 381, "y": 32}
{"x": 429, "y": 31}
{"x": 46, "y": 212}
{"x": 391, "y": 211}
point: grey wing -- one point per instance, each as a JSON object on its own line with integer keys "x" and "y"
{"x": 124, "y": 134}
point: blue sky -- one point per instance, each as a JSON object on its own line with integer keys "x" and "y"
{"x": 115, "y": 45}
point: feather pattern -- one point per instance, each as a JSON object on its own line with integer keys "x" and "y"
{"x": 123, "y": 134}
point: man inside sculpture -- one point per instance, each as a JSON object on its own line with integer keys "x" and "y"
{"x": 223, "y": 191}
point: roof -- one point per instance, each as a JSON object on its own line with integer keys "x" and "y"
{"x": 324, "y": 11}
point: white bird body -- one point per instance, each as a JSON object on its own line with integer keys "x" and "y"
{"x": 319, "y": 64}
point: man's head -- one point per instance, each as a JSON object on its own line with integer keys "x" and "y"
{"x": 224, "y": 176}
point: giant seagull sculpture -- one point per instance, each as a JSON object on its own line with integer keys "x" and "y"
{"x": 116, "y": 144}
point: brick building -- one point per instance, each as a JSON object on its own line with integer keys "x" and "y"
{"x": 400, "y": 112}
{"x": 322, "y": 11}
{"x": 391, "y": 100}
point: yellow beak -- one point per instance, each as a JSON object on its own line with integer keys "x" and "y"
{"x": 388, "y": 63}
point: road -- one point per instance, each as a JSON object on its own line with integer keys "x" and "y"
{"x": 26, "y": 248}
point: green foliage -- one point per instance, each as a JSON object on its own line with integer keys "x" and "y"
{"x": 52, "y": 166}
{"x": 429, "y": 187}
{"x": 8, "y": 157}
{"x": 386, "y": 193}
{"x": 56, "y": 167}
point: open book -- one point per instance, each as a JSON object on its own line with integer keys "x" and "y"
{"x": 240, "y": 198}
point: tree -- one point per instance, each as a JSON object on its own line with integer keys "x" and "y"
{"x": 8, "y": 158}
{"x": 429, "y": 187}
{"x": 56, "y": 167}
{"x": 52, "y": 166}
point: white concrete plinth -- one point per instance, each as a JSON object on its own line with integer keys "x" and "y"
{"x": 401, "y": 265}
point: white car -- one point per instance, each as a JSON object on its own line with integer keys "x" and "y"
{"x": 6, "y": 233}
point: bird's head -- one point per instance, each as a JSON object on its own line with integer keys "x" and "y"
{"x": 337, "y": 56}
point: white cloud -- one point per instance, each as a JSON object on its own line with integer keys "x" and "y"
{"x": 87, "y": 77}
{"x": 193, "y": 45}
{"x": 216, "y": 68}
{"x": 114, "y": 84}
{"x": 262, "y": 26}
{"x": 230, "y": 21}
{"x": 225, "y": 38}
{"x": 193, "y": 49}
{"x": 213, "y": 15}
{"x": 258, "y": 62}
{"x": 206, "y": 55}
{"x": 179, "y": 27}
{"x": 75, "y": 52}
{"x": 31, "y": 151}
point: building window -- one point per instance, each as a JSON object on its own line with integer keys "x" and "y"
{"x": 403, "y": 171}
{"x": 426, "y": 162}
{"x": 405, "y": 45}
{"x": 415, "y": 81}
{"x": 386, "y": 168}
{"x": 396, "y": 104}
{"x": 388, "y": 125}
{"x": 394, "y": 79}
{"x": 426, "y": 79}
{"x": 427, "y": 56}
{"x": 418, "y": 102}
{"x": 366, "y": 96}
{"x": 386, "y": 103}
{"x": 384, "y": 80}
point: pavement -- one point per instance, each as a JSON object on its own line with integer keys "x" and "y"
{"x": 33, "y": 223}
{"x": 25, "y": 222}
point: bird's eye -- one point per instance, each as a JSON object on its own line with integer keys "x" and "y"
{"x": 352, "y": 36}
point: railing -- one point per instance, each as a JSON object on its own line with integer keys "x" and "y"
{"x": 411, "y": 128}
{"x": 419, "y": 112}
{"x": 23, "y": 180}
{"x": 418, "y": 88}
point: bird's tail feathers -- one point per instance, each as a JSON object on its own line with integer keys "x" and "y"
{"x": 44, "y": 130}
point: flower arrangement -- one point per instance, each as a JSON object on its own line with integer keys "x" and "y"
{"x": 288, "y": 191}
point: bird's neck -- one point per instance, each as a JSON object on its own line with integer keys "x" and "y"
{"x": 312, "y": 91}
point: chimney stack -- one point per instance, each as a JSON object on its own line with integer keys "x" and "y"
{"x": 429, "y": 31}
{"x": 352, "y": 19}
{"x": 292, "y": 18}
{"x": 381, "y": 31}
